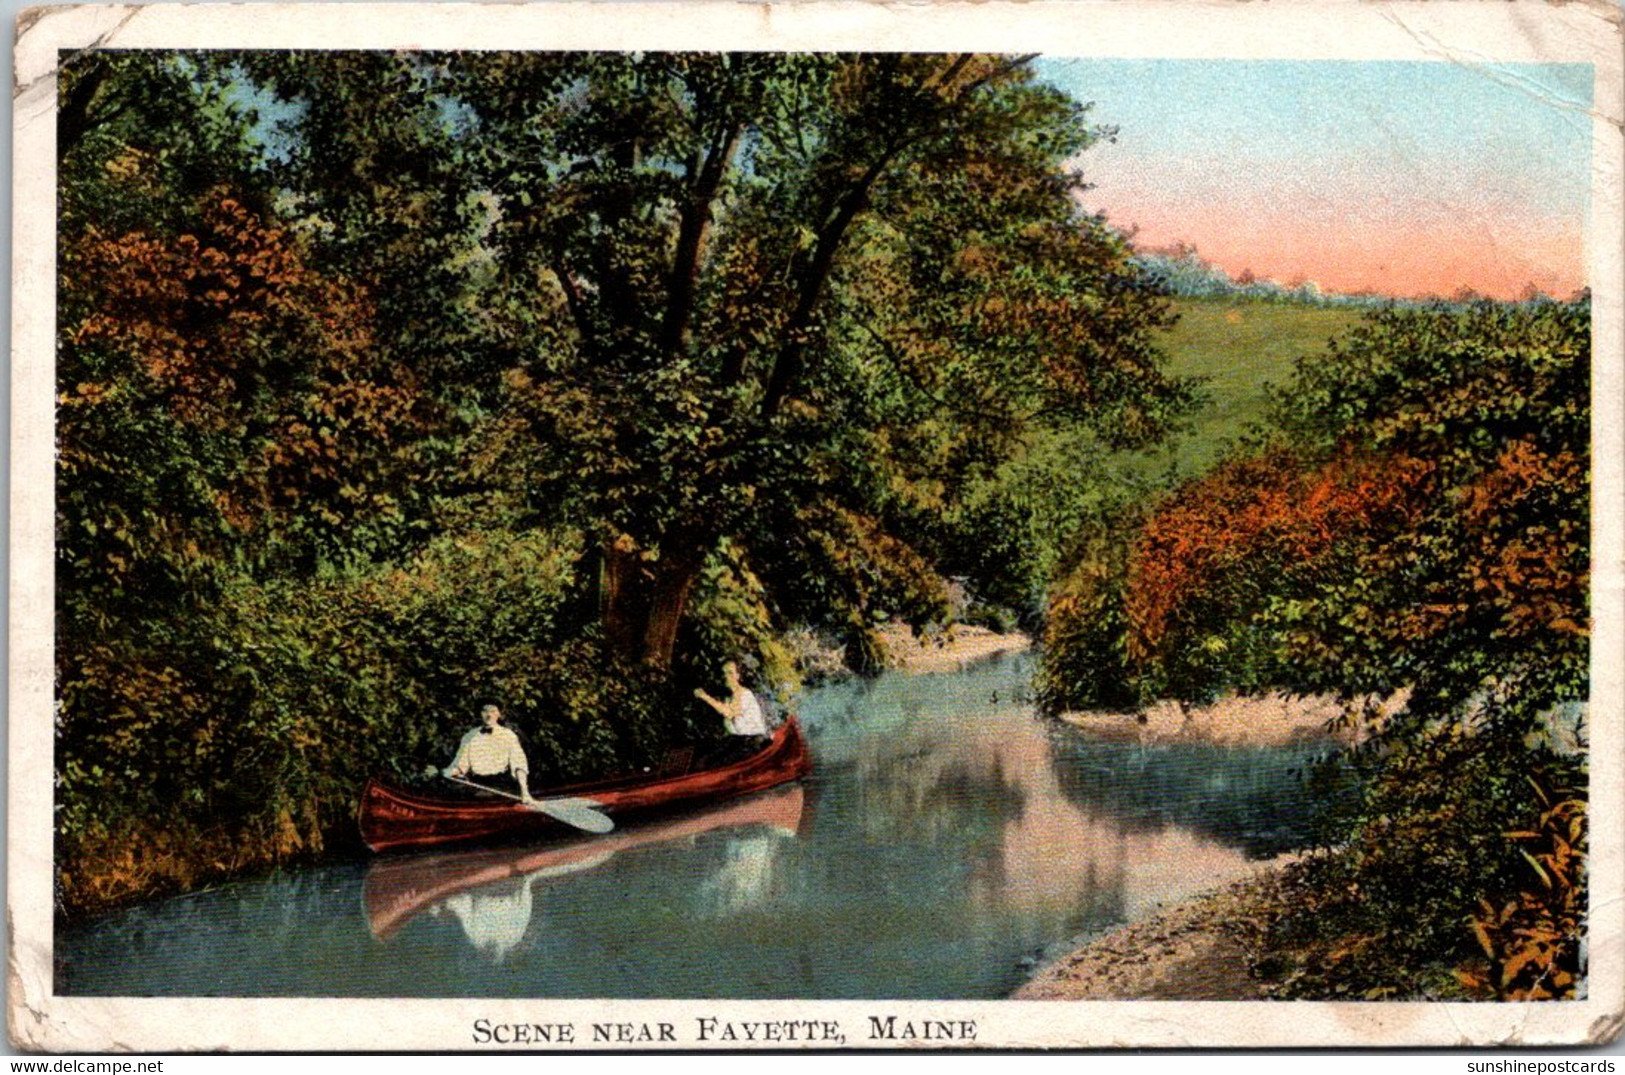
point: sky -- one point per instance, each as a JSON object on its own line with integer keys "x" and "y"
{"x": 1402, "y": 178}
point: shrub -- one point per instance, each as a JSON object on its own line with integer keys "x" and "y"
{"x": 1429, "y": 892}
{"x": 1531, "y": 938}
{"x": 1085, "y": 662}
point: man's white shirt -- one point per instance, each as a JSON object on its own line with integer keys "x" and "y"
{"x": 489, "y": 752}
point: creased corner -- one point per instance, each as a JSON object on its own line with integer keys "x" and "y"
{"x": 25, "y": 1024}
{"x": 1604, "y": 1030}
{"x": 43, "y": 69}
{"x": 26, "y": 19}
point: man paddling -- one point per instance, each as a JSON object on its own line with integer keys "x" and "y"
{"x": 489, "y": 751}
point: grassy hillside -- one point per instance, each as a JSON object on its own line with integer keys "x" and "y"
{"x": 1239, "y": 346}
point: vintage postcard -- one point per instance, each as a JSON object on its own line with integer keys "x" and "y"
{"x": 712, "y": 526}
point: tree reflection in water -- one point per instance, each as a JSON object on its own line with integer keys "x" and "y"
{"x": 1046, "y": 825}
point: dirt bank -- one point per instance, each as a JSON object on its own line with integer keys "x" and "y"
{"x": 946, "y": 651}
{"x": 1268, "y": 720}
{"x": 1200, "y": 950}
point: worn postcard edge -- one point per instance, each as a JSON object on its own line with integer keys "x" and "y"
{"x": 1456, "y": 33}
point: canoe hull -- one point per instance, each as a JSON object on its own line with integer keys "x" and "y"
{"x": 393, "y": 818}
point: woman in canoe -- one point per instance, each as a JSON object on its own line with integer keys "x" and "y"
{"x": 742, "y": 716}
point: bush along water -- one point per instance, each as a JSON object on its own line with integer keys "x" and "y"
{"x": 246, "y": 742}
{"x": 1415, "y": 518}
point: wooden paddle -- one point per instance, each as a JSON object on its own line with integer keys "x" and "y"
{"x": 584, "y": 814}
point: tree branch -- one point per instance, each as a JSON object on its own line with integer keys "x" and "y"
{"x": 573, "y": 299}
{"x": 888, "y": 349}
{"x": 693, "y": 229}
{"x": 787, "y": 367}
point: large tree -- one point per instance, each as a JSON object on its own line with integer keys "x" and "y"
{"x": 793, "y": 302}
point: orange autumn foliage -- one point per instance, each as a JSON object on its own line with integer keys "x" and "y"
{"x": 231, "y": 331}
{"x": 1532, "y": 574}
{"x": 1252, "y": 520}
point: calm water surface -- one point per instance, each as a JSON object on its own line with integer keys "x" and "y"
{"x": 946, "y": 842}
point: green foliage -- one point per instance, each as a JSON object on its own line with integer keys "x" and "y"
{"x": 1085, "y": 664}
{"x": 1415, "y": 521}
{"x": 1485, "y": 588}
{"x": 1431, "y": 892}
{"x": 1013, "y": 528}
{"x": 733, "y": 622}
{"x": 223, "y": 424}
{"x": 142, "y": 135}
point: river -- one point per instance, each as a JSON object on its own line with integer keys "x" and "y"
{"x": 947, "y": 842}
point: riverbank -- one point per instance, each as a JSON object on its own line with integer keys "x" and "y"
{"x": 1203, "y": 949}
{"x": 137, "y": 861}
{"x": 947, "y": 651}
{"x": 1268, "y": 720}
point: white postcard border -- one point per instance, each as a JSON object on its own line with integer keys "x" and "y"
{"x": 1459, "y": 33}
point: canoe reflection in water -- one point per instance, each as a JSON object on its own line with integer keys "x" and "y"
{"x": 491, "y": 892}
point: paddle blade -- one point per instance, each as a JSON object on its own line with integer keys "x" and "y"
{"x": 578, "y": 813}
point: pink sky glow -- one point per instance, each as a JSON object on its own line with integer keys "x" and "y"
{"x": 1403, "y": 179}
{"x": 1401, "y": 255}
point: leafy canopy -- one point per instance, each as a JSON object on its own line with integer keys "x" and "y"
{"x": 701, "y": 296}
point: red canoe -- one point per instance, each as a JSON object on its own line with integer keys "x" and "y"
{"x": 393, "y": 818}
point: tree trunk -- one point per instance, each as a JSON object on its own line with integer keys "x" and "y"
{"x": 620, "y": 588}
{"x": 673, "y": 580}
{"x": 644, "y": 602}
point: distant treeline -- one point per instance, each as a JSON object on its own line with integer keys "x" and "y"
{"x": 1181, "y": 270}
